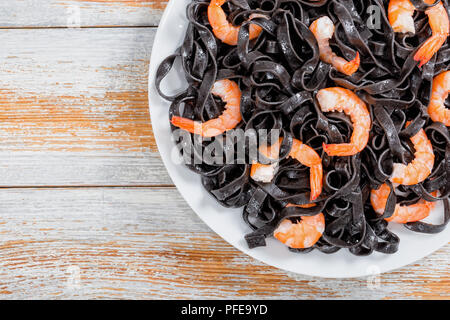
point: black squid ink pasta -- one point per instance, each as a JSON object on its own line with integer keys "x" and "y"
{"x": 279, "y": 74}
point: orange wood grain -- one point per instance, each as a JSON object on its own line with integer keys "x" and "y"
{"x": 88, "y": 93}
{"x": 74, "y": 108}
{"x": 73, "y": 112}
{"x": 139, "y": 249}
{"x": 80, "y": 13}
{"x": 30, "y": 121}
{"x": 156, "y": 4}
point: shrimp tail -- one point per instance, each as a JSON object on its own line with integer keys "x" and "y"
{"x": 352, "y": 66}
{"x": 344, "y": 149}
{"x": 429, "y": 48}
{"x": 316, "y": 181}
{"x": 185, "y": 124}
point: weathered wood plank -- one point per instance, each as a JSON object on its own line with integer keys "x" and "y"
{"x": 75, "y": 13}
{"x": 74, "y": 108}
{"x": 146, "y": 243}
{"x": 73, "y": 112}
{"x": 20, "y": 169}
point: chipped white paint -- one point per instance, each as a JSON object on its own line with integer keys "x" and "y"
{"x": 146, "y": 243}
{"x": 75, "y": 62}
{"x": 58, "y": 168}
{"x": 74, "y": 109}
{"x": 62, "y": 13}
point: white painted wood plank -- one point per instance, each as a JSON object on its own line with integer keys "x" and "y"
{"x": 73, "y": 111}
{"x": 74, "y": 108}
{"x": 147, "y": 244}
{"x": 59, "y": 168}
{"x": 73, "y": 13}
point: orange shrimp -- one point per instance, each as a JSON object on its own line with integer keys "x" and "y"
{"x": 303, "y": 234}
{"x": 266, "y": 172}
{"x": 344, "y": 100}
{"x": 323, "y": 29}
{"x": 400, "y": 14}
{"x": 223, "y": 29}
{"x": 301, "y": 152}
{"x": 440, "y": 91}
{"x": 230, "y": 93}
{"x": 402, "y": 214}
{"x": 440, "y": 27}
{"x": 420, "y": 168}
{"x": 308, "y": 231}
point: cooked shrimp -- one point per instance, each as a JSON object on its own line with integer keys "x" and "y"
{"x": 440, "y": 91}
{"x": 440, "y": 27}
{"x": 344, "y": 100}
{"x": 309, "y": 157}
{"x": 303, "y": 234}
{"x": 420, "y": 168}
{"x": 323, "y": 29}
{"x": 223, "y": 29}
{"x": 402, "y": 214}
{"x": 231, "y": 94}
{"x": 308, "y": 205}
{"x": 308, "y": 231}
{"x": 301, "y": 152}
{"x": 266, "y": 172}
{"x": 400, "y": 14}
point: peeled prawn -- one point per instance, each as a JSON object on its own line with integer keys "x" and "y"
{"x": 301, "y": 152}
{"x": 323, "y": 29}
{"x": 420, "y": 168}
{"x": 402, "y": 214}
{"x": 303, "y": 234}
{"x": 231, "y": 94}
{"x": 440, "y": 27}
{"x": 223, "y": 29}
{"x": 415, "y": 172}
{"x": 440, "y": 91}
{"x": 266, "y": 172}
{"x": 401, "y": 12}
{"x": 344, "y": 100}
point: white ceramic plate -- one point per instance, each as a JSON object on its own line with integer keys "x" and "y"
{"x": 228, "y": 223}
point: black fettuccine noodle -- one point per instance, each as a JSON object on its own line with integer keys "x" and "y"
{"x": 279, "y": 74}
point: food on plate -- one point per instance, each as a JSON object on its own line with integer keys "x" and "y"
{"x": 325, "y": 120}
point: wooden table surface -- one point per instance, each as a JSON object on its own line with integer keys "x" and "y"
{"x": 87, "y": 209}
